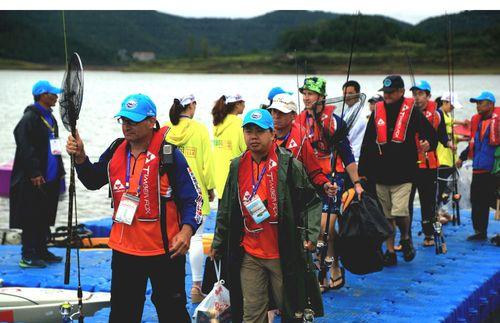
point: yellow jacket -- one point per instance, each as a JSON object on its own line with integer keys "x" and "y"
{"x": 192, "y": 138}
{"x": 445, "y": 155}
{"x": 228, "y": 144}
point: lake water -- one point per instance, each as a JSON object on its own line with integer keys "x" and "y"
{"x": 104, "y": 92}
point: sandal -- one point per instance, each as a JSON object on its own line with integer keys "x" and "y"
{"x": 429, "y": 241}
{"x": 398, "y": 247}
{"x": 334, "y": 283}
{"x": 197, "y": 295}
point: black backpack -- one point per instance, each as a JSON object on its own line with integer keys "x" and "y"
{"x": 363, "y": 229}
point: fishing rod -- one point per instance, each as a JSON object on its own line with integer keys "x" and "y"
{"x": 439, "y": 242}
{"x": 451, "y": 86}
{"x": 70, "y": 105}
{"x": 297, "y": 77}
{"x": 305, "y": 68}
{"x": 410, "y": 67}
{"x": 334, "y": 202}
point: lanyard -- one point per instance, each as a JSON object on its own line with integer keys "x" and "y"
{"x": 284, "y": 138}
{"x": 52, "y": 129}
{"x": 310, "y": 124}
{"x": 45, "y": 114}
{"x": 255, "y": 187}
{"x": 127, "y": 175}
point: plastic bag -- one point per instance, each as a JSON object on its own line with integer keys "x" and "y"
{"x": 216, "y": 307}
{"x": 464, "y": 182}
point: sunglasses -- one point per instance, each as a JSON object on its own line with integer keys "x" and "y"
{"x": 128, "y": 122}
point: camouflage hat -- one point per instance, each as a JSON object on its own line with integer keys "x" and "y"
{"x": 315, "y": 84}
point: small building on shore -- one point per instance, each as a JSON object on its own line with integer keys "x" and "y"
{"x": 144, "y": 56}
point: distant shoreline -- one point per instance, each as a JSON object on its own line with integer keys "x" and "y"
{"x": 263, "y": 65}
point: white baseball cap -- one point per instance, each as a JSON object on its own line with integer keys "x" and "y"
{"x": 283, "y": 102}
{"x": 234, "y": 98}
{"x": 452, "y": 98}
{"x": 188, "y": 99}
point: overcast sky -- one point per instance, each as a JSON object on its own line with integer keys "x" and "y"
{"x": 406, "y": 10}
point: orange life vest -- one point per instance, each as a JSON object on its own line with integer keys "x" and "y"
{"x": 316, "y": 134}
{"x": 429, "y": 159}
{"x": 149, "y": 232}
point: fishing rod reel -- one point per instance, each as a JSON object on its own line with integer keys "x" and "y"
{"x": 65, "y": 310}
{"x": 321, "y": 249}
{"x": 439, "y": 238}
{"x": 305, "y": 317}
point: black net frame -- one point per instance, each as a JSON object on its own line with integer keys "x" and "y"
{"x": 70, "y": 102}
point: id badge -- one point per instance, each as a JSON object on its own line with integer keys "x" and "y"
{"x": 55, "y": 146}
{"x": 257, "y": 209}
{"x": 126, "y": 209}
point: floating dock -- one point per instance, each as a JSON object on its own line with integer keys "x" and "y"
{"x": 460, "y": 286}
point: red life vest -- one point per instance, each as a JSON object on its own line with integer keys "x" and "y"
{"x": 296, "y": 140}
{"x": 298, "y": 144}
{"x": 144, "y": 236}
{"x": 401, "y": 126}
{"x": 260, "y": 240}
{"x": 316, "y": 134}
{"x": 429, "y": 159}
{"x": 494, "y": 125}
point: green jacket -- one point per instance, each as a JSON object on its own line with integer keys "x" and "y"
{"x": 299, "y": 207}
{"x": 496, "y": 165}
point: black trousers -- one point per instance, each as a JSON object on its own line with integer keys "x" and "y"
{"x": 482, "y": 197}
{"x": 42, "y": 204}
{"x": 426, "y": 184}
{"x": 129, "y": 279}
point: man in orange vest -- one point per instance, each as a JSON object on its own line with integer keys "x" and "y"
{"x": 326, "y": 133}
{"x": 290, "y": 136}
{"x": 485, "y": 138}
{"x": 389, "y": 155}
{"x": 428, "y": 163}
{"x": 155, "y": 213}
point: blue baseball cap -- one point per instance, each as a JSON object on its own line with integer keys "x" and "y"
{"x": 275, "y": 91}
{"x": 43, "y": 86}
{"x": 137, "y": 107}
{"x": 259, "y": 117}
{"x": 485, "y": 95}
{"x": 421, "y": 85}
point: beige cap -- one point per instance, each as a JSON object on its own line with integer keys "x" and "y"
{"x": 283, "y": 102}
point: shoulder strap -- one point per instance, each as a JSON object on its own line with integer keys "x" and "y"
{"x": 166, "y": 154}
{"x": 114, "y": 145}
